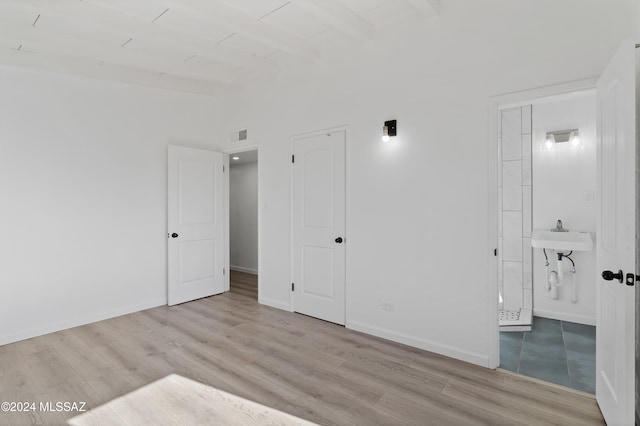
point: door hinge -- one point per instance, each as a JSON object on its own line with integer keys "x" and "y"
{"x": 293, "y": 287}
{"x": 495, "y": 251}
{"x": 293, "y": 158}
{"x": 222, "y": 169}
{"x": 224, "y": 271}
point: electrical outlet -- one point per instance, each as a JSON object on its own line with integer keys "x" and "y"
{"x": 386, "y": 306}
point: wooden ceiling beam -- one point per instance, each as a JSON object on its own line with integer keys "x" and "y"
{"x": 239, "y": 22}
{"x": 138, "y": 28}
{"x": 427, "y": 8}
{"x": 336, "y": 14}
{"x": 90, "y": 69}
{"x": 45, "y": 40}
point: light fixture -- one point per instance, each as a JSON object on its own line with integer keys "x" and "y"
{"x": 389, "y": 130}
{"x": 235, "y": 158}
{"x": 548, "y": 143}
{"x": 560, "y": 136}
{"x": 574, "y": 138}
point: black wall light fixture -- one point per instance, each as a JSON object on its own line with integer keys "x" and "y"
{"x": 389, "y": 130}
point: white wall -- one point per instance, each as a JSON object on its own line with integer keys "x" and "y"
{"x": 243, "y": 216}
{"x": 564, "y": 186}
{"x": 417, "y": 207}
{"x": 83, "y": 172}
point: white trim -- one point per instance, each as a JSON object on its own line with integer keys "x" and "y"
{"x": 495, "y": 104}
{"x": 243, "y": 269}
{"x": 275, "y": 304}
{"x": 561, "y": 316}
{"x": 243, "y": 148}
{"x": 227, "y": 225}
{"x": 64, "y": 325}
{"x": 442, "y": 349}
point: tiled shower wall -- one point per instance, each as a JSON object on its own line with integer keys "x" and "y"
{"x": 515, "y": 271}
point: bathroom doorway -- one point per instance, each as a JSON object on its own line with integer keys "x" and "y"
{"x": 546, "y": 172}
{"x": 243, "y": 222}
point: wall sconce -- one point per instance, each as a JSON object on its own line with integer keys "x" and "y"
{"x": 571, "y": 135}
{"x": 389, "y": 130}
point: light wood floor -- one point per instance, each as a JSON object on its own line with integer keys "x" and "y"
{"x": 313, "y": 370}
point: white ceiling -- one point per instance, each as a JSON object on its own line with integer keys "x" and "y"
{"x": 201, "y": 46}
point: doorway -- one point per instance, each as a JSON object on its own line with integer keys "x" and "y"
{"x": 243, "y": 222}
{"x": 547, "y": 326}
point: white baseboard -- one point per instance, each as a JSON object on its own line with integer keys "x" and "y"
{"x": 243, "y": 269}
{"x": 442, "y": 349}
{"x": 274, "y": 304}
{"x": 561, "y": 316}
{"x": 64, "y": 325}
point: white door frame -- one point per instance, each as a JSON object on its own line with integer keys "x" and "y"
{"x": 342, "y": 128}
{"x": 227, "y": 241}
{"x": 496, "y": 103}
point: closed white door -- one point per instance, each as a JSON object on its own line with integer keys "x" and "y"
{"x": 195, "y": 224}
{"x": 319, "y": 226}
{"x": 615, "y": 247}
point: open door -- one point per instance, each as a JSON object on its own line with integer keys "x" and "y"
{"x": 615, "y": 248}
{"x": 195, "y": 224}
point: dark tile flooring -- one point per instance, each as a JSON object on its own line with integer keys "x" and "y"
{"x": 555, "y": 351}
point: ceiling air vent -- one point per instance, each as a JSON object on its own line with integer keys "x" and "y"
{"x": 239, "y": 136}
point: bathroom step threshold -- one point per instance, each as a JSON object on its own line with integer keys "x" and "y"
{"x": 522, "y": 324}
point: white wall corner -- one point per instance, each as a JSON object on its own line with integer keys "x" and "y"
{"x": 64, "y": 325}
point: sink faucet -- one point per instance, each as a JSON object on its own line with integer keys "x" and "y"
{"x": 559, "y": 227}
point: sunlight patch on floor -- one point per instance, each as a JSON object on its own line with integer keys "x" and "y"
{"x": 177, "y": 400}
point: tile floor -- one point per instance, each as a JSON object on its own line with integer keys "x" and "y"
{"x": 555, "y": 351}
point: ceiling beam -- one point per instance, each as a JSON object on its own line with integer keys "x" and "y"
{"x": 336, "y": 14}
{"x": 43, "y": 40}
{"x": 88, "y": 68}
{"x": 426, "y": 8}
{"x": 138, "y": 28}
{"x": 241, "y": 23}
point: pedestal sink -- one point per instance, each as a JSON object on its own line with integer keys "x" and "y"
{"x": 562, "y": 241}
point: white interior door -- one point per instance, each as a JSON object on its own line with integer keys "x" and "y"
{"x": 615, "y": 248}
{"x": 195, "y": 224}
{"x": 319, "y": 226}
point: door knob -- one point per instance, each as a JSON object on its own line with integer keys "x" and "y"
{"x": 609, "y": 276}
{"x": 339, "y": 240}
{"x": 174, "y": 235}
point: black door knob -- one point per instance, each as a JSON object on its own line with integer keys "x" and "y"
{"x": 339, "y": 240}
{"x": 610, "y": 276}
{"x": 174, "y": 235}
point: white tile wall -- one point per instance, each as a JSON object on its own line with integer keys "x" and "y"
{"x": 526, "y": 159}
{"x": 512, "y": 236}
{"x": 512, "y": 185}
{"x": 515, "y": 275}
{"x": 527, "y": 211}
{"x": 528, "y": 299}
{"x": 511, "y": 134}
{"x": 512, "y": 284}
{"x": 527, "y": 264}
{"x": 526, "y": 119}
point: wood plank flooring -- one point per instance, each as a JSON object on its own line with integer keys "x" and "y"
{"x": 228, "y": 360}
